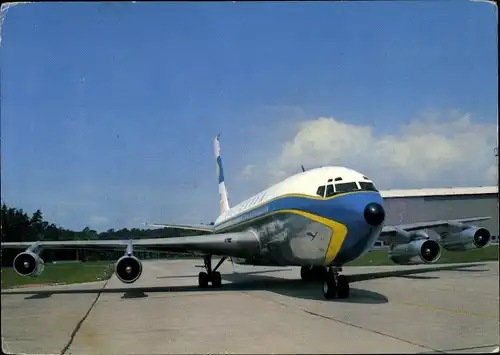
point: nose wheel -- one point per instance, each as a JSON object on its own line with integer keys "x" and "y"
{"x": 335, "y": 285}
{"x": 210, "y": 276}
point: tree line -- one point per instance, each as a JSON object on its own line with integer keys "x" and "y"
{"x": 18, "y": 226}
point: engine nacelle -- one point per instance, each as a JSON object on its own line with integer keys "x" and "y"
{"x": 28, "y": 264}
{"x": 128, "y": 269}
{"x": 470, "y": 238}
{"x": 416, "y": 252}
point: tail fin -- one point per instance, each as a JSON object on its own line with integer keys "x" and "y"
{"x": 223, "y": 200}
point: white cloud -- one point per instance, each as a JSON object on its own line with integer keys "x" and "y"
{"x": 4, "y": 8}
{"x": 433, "y": 150}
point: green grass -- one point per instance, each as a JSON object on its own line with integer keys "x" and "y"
{"x": 64, "y": 273}
{"x": 68, "y": 273}
{"x": 379, "y": 257}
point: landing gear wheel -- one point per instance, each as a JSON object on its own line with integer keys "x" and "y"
{"x": 335, "y": 285}
{"x": 329, "y": 288}
{"x": 305, "y": 273}
{"x": 210, "y": 275}
{"x": 203, "y": 279}
{"x": 343, "y": 286}
{"x": 216, "y": 279}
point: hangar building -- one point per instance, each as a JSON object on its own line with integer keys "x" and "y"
{"x": 419, "y": 205}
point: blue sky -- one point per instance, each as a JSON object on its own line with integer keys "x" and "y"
{"x": 109, "y": 109}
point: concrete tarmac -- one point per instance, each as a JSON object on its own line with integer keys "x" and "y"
{"x": 258, "y": 310}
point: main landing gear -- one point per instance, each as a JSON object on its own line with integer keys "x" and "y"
{"x": 334, "y": 285}
{"x": 213, "y": 276}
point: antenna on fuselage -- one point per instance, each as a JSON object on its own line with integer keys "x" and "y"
{"x": 303, "y": 170}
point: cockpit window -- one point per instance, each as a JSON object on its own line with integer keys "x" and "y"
{"x": 321, "y": 191}
{"x": 367, "y": 186}
{"x": 346, "y": 187}
{"x": 329, "y": 191}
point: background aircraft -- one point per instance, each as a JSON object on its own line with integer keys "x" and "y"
{"x": 319, "y": 219}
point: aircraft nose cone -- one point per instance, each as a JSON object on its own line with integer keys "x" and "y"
{"x": 374, "y": 214}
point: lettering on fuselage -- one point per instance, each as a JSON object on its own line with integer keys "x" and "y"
{"x": 246, "y": 215}
{"x": 254, "y": 201}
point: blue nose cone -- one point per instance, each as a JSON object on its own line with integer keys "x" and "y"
{"x": 374, "y": 214}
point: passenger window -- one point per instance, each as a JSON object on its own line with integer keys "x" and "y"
{"x": 346, "y": 187}
{"x": 329, "y": 191}
{"x": 321, "y": 191}
{"x": 367, "y": 186}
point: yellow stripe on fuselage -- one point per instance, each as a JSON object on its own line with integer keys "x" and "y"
{"x": 339, "y": 233}
{"x": 224, "y": 229}
{"x": 339, "y": 230}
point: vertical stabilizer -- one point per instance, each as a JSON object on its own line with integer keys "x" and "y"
{"x": 223, "y": 201}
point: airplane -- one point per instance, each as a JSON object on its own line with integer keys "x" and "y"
{"x": 319, "y": 219}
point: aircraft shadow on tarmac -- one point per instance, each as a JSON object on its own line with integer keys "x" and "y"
{"x": 477, "y": 270}
{"x": 286, "y": 287}
{"x": 253, "y": 281}
{"x": 223, "y": 275}
{"x": 419, "y": 277}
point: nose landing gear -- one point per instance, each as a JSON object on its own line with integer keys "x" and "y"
{"x": 210, "y": 275}
{"x": 334, "y": 285}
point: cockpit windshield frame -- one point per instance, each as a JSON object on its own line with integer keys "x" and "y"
{"x": 330, "y": 189}
{"x": 367, "y": 186}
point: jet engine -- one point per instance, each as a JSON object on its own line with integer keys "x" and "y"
{"x": 470, "y": 238}
{"x": 28, "y": 264}
{"x": 128, "y": 269}
{"x": 418, "y": 251}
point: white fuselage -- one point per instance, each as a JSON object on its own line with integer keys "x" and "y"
{"x": 321, "y": 203}
{"x": 303, "y": 183}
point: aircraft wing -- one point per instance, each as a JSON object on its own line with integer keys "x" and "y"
{"x": 201, "y": 228}
{"x": 240, "y": 244}
{"x": 395, "y": 233}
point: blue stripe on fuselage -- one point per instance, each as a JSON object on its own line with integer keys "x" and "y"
{"x": 345, "y": 208}
{"x": 336, "y": 208}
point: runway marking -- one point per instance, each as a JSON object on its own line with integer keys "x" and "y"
{"x": 455, "y": 311}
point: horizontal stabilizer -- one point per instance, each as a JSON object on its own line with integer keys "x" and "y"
{"x": 195, "y": 228}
